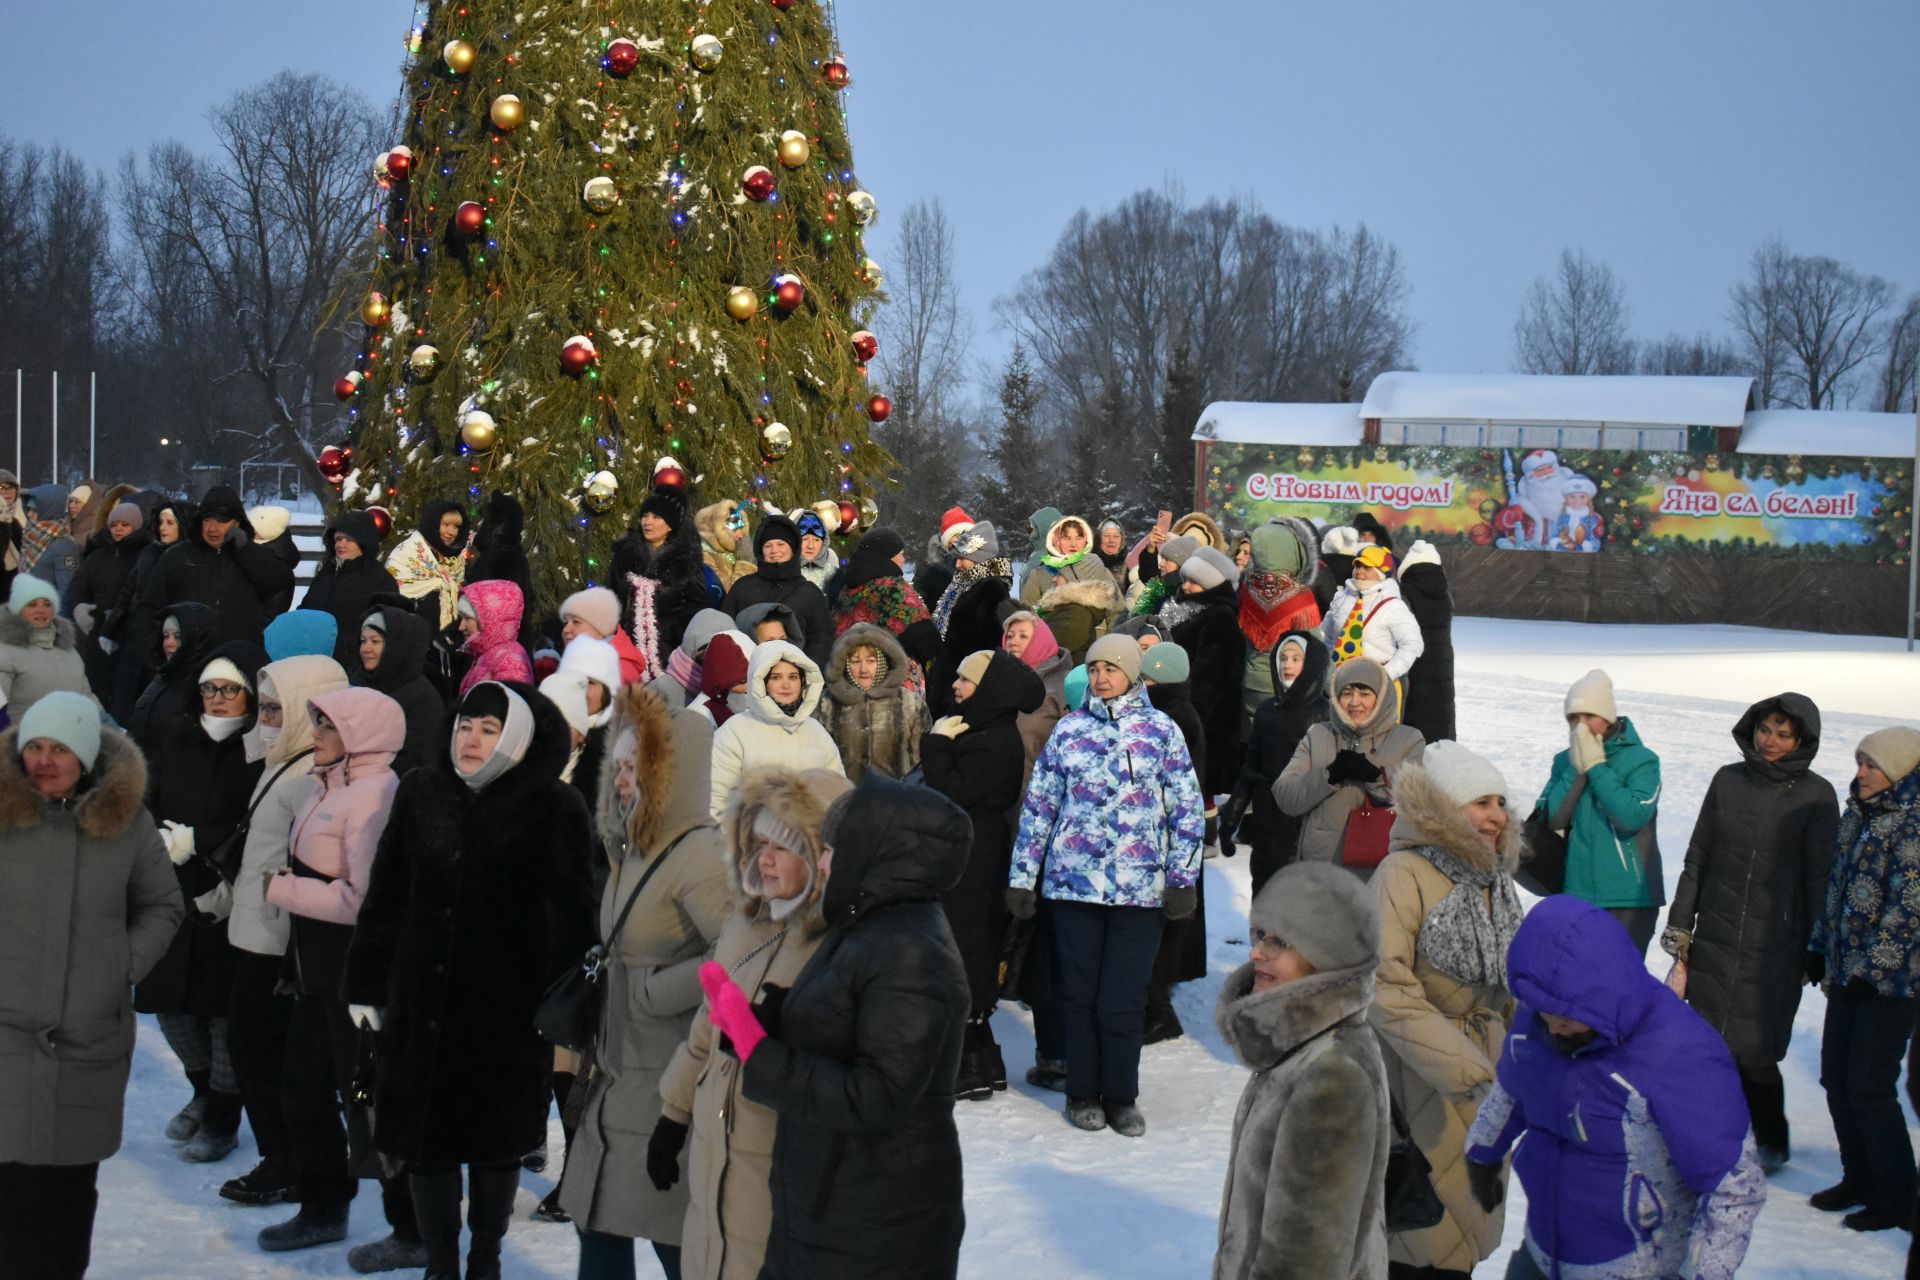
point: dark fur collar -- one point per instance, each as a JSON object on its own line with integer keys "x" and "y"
{"x": 104, "y": 810}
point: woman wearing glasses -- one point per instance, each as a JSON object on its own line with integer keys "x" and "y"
{"x": 198, "y": 787}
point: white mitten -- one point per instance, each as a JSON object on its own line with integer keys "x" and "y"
{"x": 179, "y": 840}
{"x": 364, "y": 1015}
{"x": 83, "y": 618}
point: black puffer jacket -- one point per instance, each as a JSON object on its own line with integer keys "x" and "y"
{"x": 1207, "y": 626}
{"x": 236, "y": 582}
{"x": 346, "y": 588}
{"x": 1423, "y": 585}
{"x": 1280, "y": 723}
{"x": 402, "y": 676}
{"x": 174, "y": 686}
{"x": 1755, "y": 879}
{"x": 860, "y": 1066}
{"x": 783, "y": 584}
{"x": 103, "y": 571}
{"x": 477, "y": 902}
{"x": 1183, "y": 943}
{"x": 984, "y": 772}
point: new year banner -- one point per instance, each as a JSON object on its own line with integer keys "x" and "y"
{"x": 1579, "y": 502}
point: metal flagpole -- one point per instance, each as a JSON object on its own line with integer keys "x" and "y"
{"x": 19, "y": 404}
{"x": 93, "y": 443}
{"x": 56, "y": 426}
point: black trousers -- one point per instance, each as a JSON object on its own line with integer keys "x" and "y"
{"x": 1861, "y": 1050}
{"x": 322, "y": 1047}
{"x": 46, "y": 1220}
{"x": 257, "y": 1041}
{"x": 1103, "y": 957}
{"x": 1639, "y": 922}
{"x": 1766, "y": 1103}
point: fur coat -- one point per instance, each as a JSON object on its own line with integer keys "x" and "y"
{"x": 878, "y": 728}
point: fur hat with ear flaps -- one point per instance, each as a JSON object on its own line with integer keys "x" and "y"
{"x": 795, "y": 803}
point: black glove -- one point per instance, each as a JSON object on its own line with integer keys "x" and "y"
{"x": 1212, "y": 831}
{"x": 1489, "y": 1188}
{"x": 1816, "y": 968}
{"x": 1351, "y": 766}
{"x": 237, "y": 537}
{"x": 1021, "y": 904}
{"x": 1232, "y": 813}
{"x": 1179, "y": 901}
{"x": 768, "y": 1007}
{"x": 663, "y": 1153}
{"x": 1861, "y": 989}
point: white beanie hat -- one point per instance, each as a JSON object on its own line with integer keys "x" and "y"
{"x": 567, "y": 690}
{"x": 1460, "y": 775}
{"x": 594, "y": 660}
{"x": 1209, "y": 569}
{"x": 1894, "y": 752}
{"x": 598, "y": 607}
{"x": 1592, "y": 695}
{"x": 1341, "y": 540}
{"x": 1421, "y": 552}
{"x": 223, "y": 669}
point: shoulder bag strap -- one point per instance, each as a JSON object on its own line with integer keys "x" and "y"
{"x": 620, "y": 920}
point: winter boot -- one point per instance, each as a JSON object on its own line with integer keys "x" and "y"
{"x": 315, "y": 1224}
{"x": 973, "y": 1083}
{"x": 186, "y": 1121}
{"x": 1048, "y": 1073}
{"x": 1876, "y": 1220}
{"x": 436, "y": 1206}
{"x": 1086, "y": 1113}
{"x": 1162, "y": 1022}
{"x": 990, "y": 1057}
{"x": 535, "y": 1161}
{"x": 549, "y": 1210}
{"x": 389, "y": 1253}
{"x": 1126, "y": 1119}
{"x": 1841, "y": 1195}
{"x": 268, "y": 1182}
{"x": 219, "y": 1131}
{"x": 490, "y": 1195}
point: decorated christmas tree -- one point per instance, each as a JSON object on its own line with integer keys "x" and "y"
{"x": 612, "y": 233}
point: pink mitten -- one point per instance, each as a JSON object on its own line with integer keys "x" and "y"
{"x": 728, "y": 1008}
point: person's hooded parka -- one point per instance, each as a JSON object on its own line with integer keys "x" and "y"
{"x": 478, "y": 900}
{"x": 653, "y": 966}
{"x": 1442, "y": 1005}
{"x": 1611, "y": 817}
{"x": 1430, "y": 692}
{"x": 286, "y": 761}
{"x": 1754, "y": 883}
{"x": 346, "y": 588}
{"x": 861, "y": 1060}
{"x": 36, "y": 661}
{"x": 878, "y": 728}
{"x": 1276, "y": 598}
{"x": 729, "y": 1152}
{"x": 431, "y": 572}
{"x": 238, "y": 580}
{"x": 106, "y": 567}
{"x": 784, "y": 584}
{"x": 1389, "y": 633}
{"x": 982, "y": 769}
{"x": 206, "y": 784}
{"x": 763, "y": 736}
{"x": 1322, "y": 806}
{"x": 402, "y": 676}
{"x": 1278, "y": 728}
{"x": 1073, "y": 592}
{"x": 336, "y": 834}
{"x": 176, "y": 681}
{"x": 1653, "y": 1173}
{"x": 1051, "y": 663}
{"x": 495, "y": 648}
{"x": 88, "y": 904}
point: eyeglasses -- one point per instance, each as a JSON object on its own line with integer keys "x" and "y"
{"x": 1267, "y": 947}
{"x": 219, "y": 689}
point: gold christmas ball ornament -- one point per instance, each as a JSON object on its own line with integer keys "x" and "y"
{"x": 600, "y": 194}
{"x": 602, "y": 488}
{"x": 870, "y": 272}
{"x": 795, "y": 150}
{"x": 478, "y": 430}
{"x": 460, "y": 55}
{"x": 829, "y": 513}
{"x": 742, "y": 303}
{"x": 869, "y": 513}
{"x": 375, "y": 310}
{"x": 776, "y": 441}
{"x": 423, "y": 362}
{"x": 507, "y": 113}
{"x": 706, "y": 51}
{"x": 862, "y": 207}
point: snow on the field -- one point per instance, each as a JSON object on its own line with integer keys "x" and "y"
{"x": 1044, "y": 1199}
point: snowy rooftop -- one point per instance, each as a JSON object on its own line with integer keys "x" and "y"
{"x": 1251, "y": 422}
{"x": 1841, "y": 434}
{"x": 1546, "y": 398}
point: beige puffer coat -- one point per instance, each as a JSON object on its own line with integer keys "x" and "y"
{"x": 1441, "y": 1038}
{"x": 1302, "y": 788}
{"x": 730, "y": 1144}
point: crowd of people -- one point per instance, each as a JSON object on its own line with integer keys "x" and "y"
{"x": 799, "y": 825}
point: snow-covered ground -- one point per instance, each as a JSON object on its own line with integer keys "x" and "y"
{"x": 1044, "y": 1199}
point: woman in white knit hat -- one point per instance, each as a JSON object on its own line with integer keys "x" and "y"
{"x": 1448, "y": 911}
{"x": 38, "y": 649}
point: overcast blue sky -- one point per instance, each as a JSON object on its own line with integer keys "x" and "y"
{"x": 1666, "y": 139}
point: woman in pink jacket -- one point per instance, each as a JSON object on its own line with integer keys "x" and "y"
{"x": 490, "y": 615}
{"x": 356, "y": 734}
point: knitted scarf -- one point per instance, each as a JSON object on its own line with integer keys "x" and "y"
{"x": 998, "y": 567}
{"x": 1057, "y": 563}
{"x": 646, "y": 622}
{"x": 1462, "y": 937}
{"x": 1267, "y": 608}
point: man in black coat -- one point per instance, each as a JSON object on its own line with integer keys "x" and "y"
{"x": 1423, "y": 585}
{"x": 776, "y": 548}
{"x": 860, "y": 1057}
{"x": 218, "y": 565}
{"x": 349, "y": 577}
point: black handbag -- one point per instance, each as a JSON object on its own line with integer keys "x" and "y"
{"x": 1412, "y": 1203}
{"x": 569, "y": 1011}
{"x": 226, "y": 859}
{"x": 1543, "y": 855}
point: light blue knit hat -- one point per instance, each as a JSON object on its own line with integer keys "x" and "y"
{"x": 27, "y": 589}
{"x": 70, "y": 719}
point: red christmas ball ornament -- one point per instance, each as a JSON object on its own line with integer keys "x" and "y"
{"x": 577, "y": 356}
{"x": 789, "y": 293}
{"x": 470, "y": 219}
{"x": 759, "y": 183}
{"x": 782, "y": 5}
{"x": 879, "y": 408}
{"x": 670, "y": 478}
{"x": 849, "y": 515}
{"x": 346, "y": 386}
{"x": 1481, "y": 535}
{"x": 335, "y": 462}
{"x": 622, "y": 56}
{"x": 836, "y": 73}
{"x": 399, "y": 163}
{"x": 382, "y": 519}
{"x": 865, "y": 346}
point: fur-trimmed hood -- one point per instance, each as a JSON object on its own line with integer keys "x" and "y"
{"x": 1426, "y": 818}
{"x": 1264, "y": 1027}
{"x": 710, "y": 522}
{"x": 1098, "y": 594}
{"x": 103, "y": 811}
{"x": 15, "y": 631}
{"x": 798, "y": 799}
{"x": 1200, "y": 525}
{"x": 811, "y": 685}
{"x": 673, "y": 754}
{"x": 846, "y": 692}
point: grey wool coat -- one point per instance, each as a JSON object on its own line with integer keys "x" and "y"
{"x": 1323, "y": 807}
{"x": 88, "y": 904}
{"x": 653, "y": 966}
{"x": 878, "y": 728}
{"x": 1305, "y": 1176}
